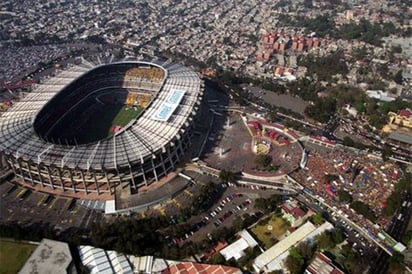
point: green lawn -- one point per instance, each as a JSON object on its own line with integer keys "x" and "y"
{"x": 13, "y": 255}
{"x": 100, "y": 125}
{"x": 267, "y": 237}
{"x": 124, "y": 116}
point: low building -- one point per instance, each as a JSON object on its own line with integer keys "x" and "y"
{"x": 400, "y": 138}
{"x": 236, "y": 250}
{"x": 322, "y": 265}
{"x": 399, "y": 127}
{"x": 273, "y": 258}
{"x": 102, "y": 261}
{"x": 292, "y": 212}
{"x": 380, "y": 95}
{"x": 98, "y": 260}
{"x": 194, "y": 268}
{"x": 263, "y": 261}
{"x": 351, "y": 110}
{"x": 50, "y": 257}
{"x": 212, "y": 251}
{"x": 401, "y": 119}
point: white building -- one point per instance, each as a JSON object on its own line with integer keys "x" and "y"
{"x": 237, "y": 249}
{"x": 273, "y": 258}
{"x": 380, "y": 95}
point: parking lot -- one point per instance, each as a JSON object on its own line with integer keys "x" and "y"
{"x": 236, "y": 200}
{"x": 26, "y": 207}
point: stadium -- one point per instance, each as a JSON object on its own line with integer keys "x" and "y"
{"x": 91, "y": 127}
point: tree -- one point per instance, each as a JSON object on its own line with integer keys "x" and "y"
{"x": 326, "y": 67}
{"x": 330, "y": 177}
{"x": 226, "y": 176}
{"x": 263, "y": 161}
{"x": 360, "y": 53}
{"x": 395, "y": 199}
{"x": 294, "y": 262}
{"x": 217, "y": 259}
{"x": 307, "y": 250}
{"x": 404, "y": 184}
{"x": 407, "y": 237}
{"x": 347, "y": 141}
{"x": 396, "y": 49}
{"x": 354, "y": 263}
{"x": 325, "y": 241}
{"x": 248, "y": 219}
{"x": 337, "y": 235}
{"x": 344, "y": 196}
{"x": 222, "y": 233}
{"x": 317, "y": 219}
{"x": 321, "y": 109}
{"x": 364, "y": 209}
{"x": 398, "y": 78}
{"x": 396, "y": 263}
{"x": 269, "y": 204}
{"x": 237, "y": 223}
{"x": 393, "y": 202}
{"x": 322, "y": 24}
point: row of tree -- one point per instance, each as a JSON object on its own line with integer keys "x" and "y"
{"x": 267, "y": 205}
{"x": 324, "y": 68}
{"x": 394, "y": 201}
{"x": 301, "y": 255}
{"x": 364, "y": 30}
{"x": 363, "y": 209}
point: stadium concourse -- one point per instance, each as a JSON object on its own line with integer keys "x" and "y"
{"x": 91, "y": 128}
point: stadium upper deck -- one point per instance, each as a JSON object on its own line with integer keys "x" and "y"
{"x": 143, "y": 151}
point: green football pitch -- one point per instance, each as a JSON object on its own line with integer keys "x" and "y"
{"x": 101, "y": 124}
{"x": 124, "y": 116}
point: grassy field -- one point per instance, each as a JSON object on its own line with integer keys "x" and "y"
{"x": 100, "y": 126}
{"x": 13, "y": 255}
{"x": 268, "y": 238}
{"x": 125, "y": 115}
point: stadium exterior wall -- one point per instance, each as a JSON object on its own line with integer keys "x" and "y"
{"x": 102, "y": 180}
{"x": 139, "y": 171}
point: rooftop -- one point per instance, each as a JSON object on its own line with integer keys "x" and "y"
{"x": 49, "y": 257}
{"x": 236, "y": 249}
{"x": 195, "y": 268}
{"x": 322, "y": 265}
{"x": 401, "y": 137}
{"x": 269, "y": 255}
{"x": 98, "y": 260}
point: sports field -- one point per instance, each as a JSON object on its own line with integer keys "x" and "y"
{"x": 124, "y": 116}
{"x": 101, "y": 124}
{"x": 13, "y": 255}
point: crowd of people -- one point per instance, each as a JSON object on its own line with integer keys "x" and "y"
{"x": 154, "y": 74}
{"x": 366, "y": 179}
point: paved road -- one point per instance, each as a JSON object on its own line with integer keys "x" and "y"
{"x": 35, "y": 207}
